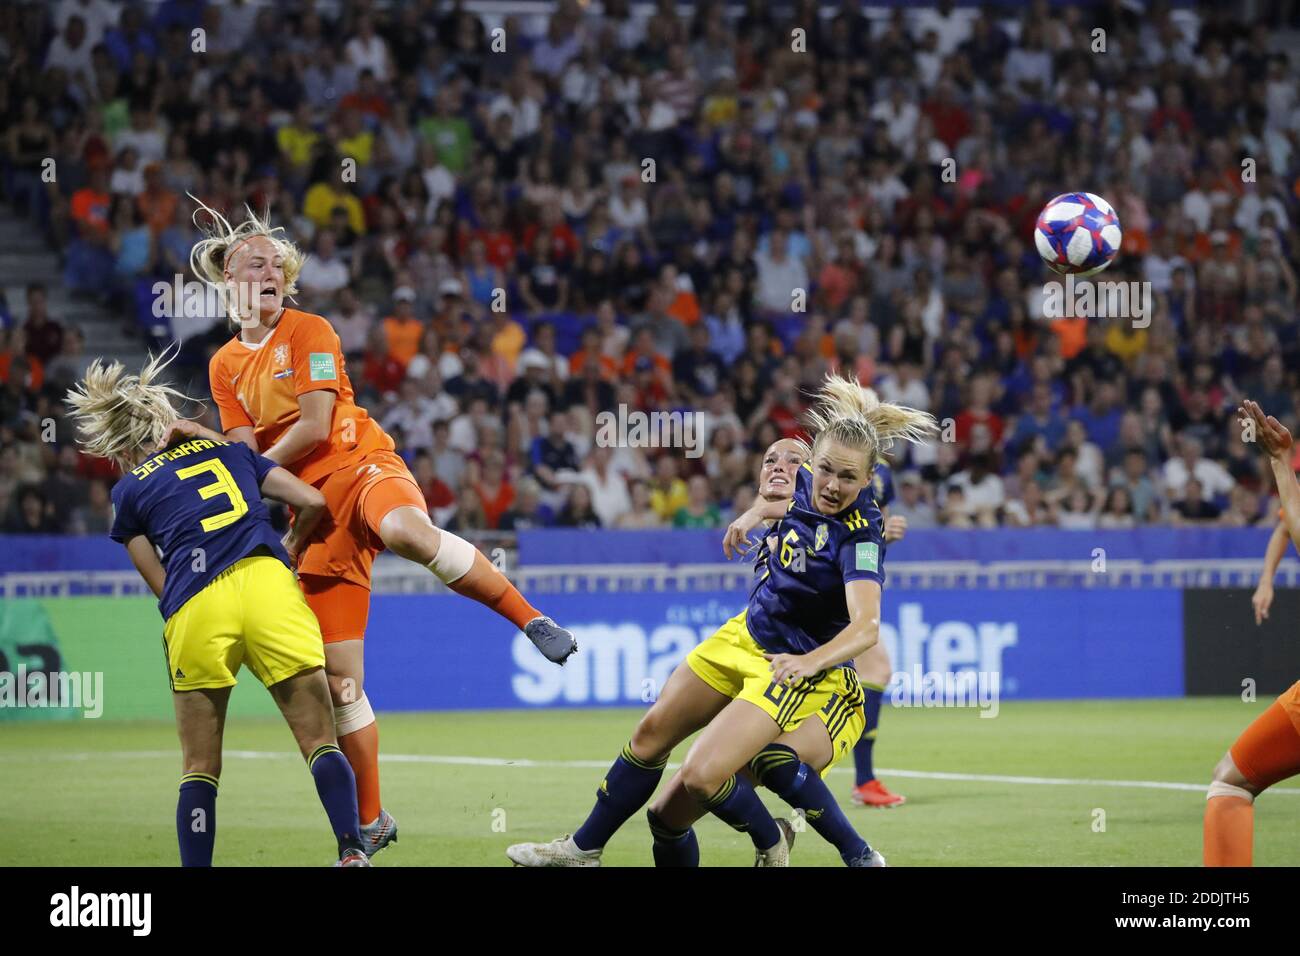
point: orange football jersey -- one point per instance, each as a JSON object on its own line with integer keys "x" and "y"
{"x": 258, "y": 386}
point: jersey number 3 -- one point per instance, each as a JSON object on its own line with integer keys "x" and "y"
{"x": 224, "y": 485}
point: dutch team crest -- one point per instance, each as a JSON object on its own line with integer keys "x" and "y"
{"x": 819, "y": 539}
{"x": 281, "y": 355}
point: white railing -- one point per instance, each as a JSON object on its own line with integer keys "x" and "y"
{"x": 395, "y": 576}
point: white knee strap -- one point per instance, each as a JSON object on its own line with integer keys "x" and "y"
{"x": 454, "y": 559}
{"x": 349, "y": 718}
{"x": 1220, "y": 789}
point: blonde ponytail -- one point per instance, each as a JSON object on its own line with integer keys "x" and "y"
{"x": 118, "y": 414}
{"x": 848, "y": 413}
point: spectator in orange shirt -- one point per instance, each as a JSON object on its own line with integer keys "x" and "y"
{"x": 157, "y": 203}
{"x": 643, "y": 347}
{"x": 17, "y": 366}
{"x": 402, "y": 330}
{"x": 839, "y": 276}
{"x": 682, "y": 303}
{"x": 91, "y": 207}
{"x": 592, "y": 352}
{"x": 507, "y": 339}
{"x": 494, "y": 488}
{"x": 1073, "y": 334}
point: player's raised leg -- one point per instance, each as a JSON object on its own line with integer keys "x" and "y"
{"x": 686, "y": 704}
{"x": 407, "y": 531}
{"x": 304, "y": 700}
{"x": 1266, "y": 752}
{"x": 874, "y": 671}
{"x": 200, "y": 723}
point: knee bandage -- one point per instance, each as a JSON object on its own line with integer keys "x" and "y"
{"x": 1220, "y": 789}
{"x": 454, "y": 559}
{"x": 349, "y": 718}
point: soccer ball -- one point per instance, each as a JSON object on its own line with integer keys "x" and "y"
{"x": 1077, "y": 234}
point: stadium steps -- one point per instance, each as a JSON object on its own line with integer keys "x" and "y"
{"x": 25, "y": 258}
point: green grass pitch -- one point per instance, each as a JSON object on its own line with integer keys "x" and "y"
{"x": 91, "y": 793}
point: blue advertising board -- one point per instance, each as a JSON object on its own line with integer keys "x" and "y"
{"x": 447, "y": 653}
{"x": 550, "y": 546}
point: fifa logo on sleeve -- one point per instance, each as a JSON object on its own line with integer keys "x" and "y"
{"x": 867, "y": 556}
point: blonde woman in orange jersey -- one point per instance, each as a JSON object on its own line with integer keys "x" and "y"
{"x": 281, "y": 388}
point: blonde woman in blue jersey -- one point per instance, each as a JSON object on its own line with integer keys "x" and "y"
{"x": 785, "y": 658}
{"x": 790, "y": 654}
{"x": 225, "y": 586}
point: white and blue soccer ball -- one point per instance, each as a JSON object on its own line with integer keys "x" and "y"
{"x": 1078, "y": 234}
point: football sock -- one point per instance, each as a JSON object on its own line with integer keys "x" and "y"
{"x": 873, "y": 697}
{"x": 196, "y": 818}
{"x": 485, "y": 584}
{"x": 361, "y": 747}
{"x": 336, "y": 786}
{"x": 673, "y": 847}
{"x": 779, "y": 769}
{"x": 737, "y": 805}
{"x": 1229, "y": 831}
{"x": 628, "y": 784}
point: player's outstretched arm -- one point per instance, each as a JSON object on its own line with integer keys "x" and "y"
{"x": 1275, "y": 440}
{"x": 736, "y": 541}
{"x": 1262, "y": 599}
{"x": 185, "y": 428}
{"x": 307, "y": 503}
{"x": 145, "y": 559}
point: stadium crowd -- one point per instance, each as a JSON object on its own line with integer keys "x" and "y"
{"x": 551, "y": 217}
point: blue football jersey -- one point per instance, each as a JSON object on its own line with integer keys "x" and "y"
{"x": 200, "y": 503}
{"x": 882, "y": 485}
{"x": 797, "y": 604}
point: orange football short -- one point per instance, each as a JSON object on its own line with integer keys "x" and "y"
{"x": 1269, "y": 749}
{"x": 343, "y": 549}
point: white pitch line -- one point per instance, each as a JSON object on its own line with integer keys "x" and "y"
{"x": 462, "y": 761}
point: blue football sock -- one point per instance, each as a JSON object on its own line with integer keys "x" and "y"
{"x": 628, "y": 784}
{"x": 196, "y": 818}
{"x": 336, "y": 786}
{"x": 673, "y": 847}
{"x": 738, "y": 806}
{"x": 873, "y": 698}
{"x": 779, "y": 769}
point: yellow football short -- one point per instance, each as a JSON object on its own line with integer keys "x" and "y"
{"x": 732, "y": 663}
{"x": 251, "y": 613}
